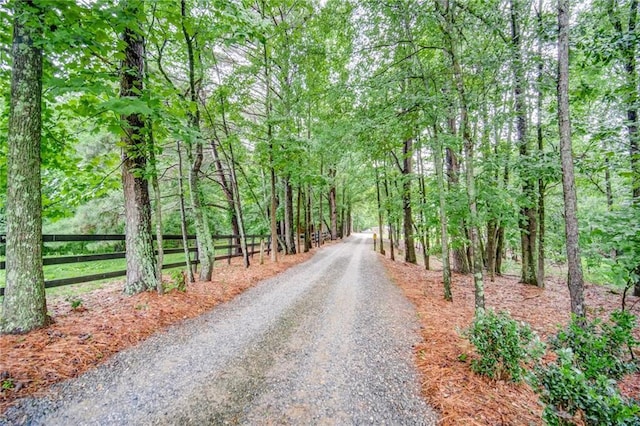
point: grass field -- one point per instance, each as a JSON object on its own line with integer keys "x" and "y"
{"x": 71, "y": 270}
{"x": 86, "y": 268}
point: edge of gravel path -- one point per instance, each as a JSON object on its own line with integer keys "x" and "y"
{"x": 108, "y": 322}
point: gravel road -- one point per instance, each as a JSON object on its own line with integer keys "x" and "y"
{"x": 328, "y": 342}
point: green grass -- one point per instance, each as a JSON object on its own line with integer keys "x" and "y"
{"x": 86, "y": 268}
{"x": 71, "y": 270}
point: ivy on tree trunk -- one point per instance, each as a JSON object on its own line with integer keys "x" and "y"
{"x": 141, "y": 264}
{"x": 24, "y": 305}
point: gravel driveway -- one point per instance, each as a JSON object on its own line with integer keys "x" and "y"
{"x": 327, "y": 342}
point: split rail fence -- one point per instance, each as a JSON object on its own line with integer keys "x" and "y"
{"x": 226, "y": 243}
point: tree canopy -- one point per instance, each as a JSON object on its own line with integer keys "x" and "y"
{"x": 434, "y": 123}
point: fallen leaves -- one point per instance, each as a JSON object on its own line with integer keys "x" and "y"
{"x": 109, "y": 321}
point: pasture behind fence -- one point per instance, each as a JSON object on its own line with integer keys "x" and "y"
{"x": 226, "y": 247}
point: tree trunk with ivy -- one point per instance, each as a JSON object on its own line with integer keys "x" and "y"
{"x": 194, "y": 148}
{"x": 141, "y": 263}
{"x": 24, "y": 305}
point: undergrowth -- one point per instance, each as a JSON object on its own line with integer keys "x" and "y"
{"x": 579, "y": 386}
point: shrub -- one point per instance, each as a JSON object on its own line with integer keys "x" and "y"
{"x": 600, "y": 347}
{"x": 503, "y": 344}
{"x": 178, "y": 282}
{"x": 580, "y": 385}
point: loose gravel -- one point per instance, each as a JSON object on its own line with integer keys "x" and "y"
{"x": 326, "y": 342}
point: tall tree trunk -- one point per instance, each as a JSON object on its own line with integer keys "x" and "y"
{"x": 527, "y": 222}
{"x": 492, "y": 234}
{"x": 308, "y": 223}
{"x": 460, "y": 263}
{"x": 333, "y": 205}
{"x": 273, "y": 221}
{"x": 24, "y": 307}
{"x": 300, "y": 195}
{"x": 628, "y": 42}
{"x": 289, "y": 236}
{"x": 237, "y": 205}
{"x": 206, "y": 249}
{"x": 389, "y": 216}
{"x": 423, "y": 203}
{"x": 475, "y": 250}
{"x": 231, "y": 189}
{"x": 444, "y": 233}
{"x": 158, "y": 209}
{"x": 320, "y": 213}
{"x": 500, "y": 249}
{"x": 541, "y": 183}
{"x": 343, "y": 210}
{"x": 224, "y": 183}
{"x": 380, "y": 220}
{"x": 141, "y": 262}
{"x": 629, "y": 46}
{"x": 155, "y": 184}
{"x": 407, "y": 172}
{"x": 183, "y": 216}
{"x": 575, "y": 280}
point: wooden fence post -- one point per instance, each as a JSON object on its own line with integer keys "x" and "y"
{"x": 261, "y": 251}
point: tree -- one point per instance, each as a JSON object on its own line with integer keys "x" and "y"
{"x": 141, "y": 266}
{"x": 444, "y": 234}
{"x": 575, "y": 279}
{"x": 475, "y": 251}
{"x": 528, "y": 226}
{"x": 24, "y": 307}
{"x": 195, "y": 154}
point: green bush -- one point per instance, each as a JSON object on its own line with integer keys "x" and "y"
{"x": 503, "y": 344}
{"x": 580, "y": 385}
{"x": 600, "y": 347}
{"x": 178, "y": 282}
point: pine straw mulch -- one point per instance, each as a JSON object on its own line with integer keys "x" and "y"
{"x": 108, "y": 322}
{"x": 462, "y": 397}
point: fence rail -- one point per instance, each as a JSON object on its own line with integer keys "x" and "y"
{"x": 226, "y": 242}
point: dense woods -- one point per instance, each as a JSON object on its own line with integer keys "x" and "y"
{"x": 497, "y": 136}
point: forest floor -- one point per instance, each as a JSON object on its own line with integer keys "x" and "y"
{"x": 107, "y": 321}
{"x": 462, "y": 397}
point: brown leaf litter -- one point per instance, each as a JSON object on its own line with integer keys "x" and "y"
{"x": 108, "y": 321}
{"x": 465, "y": 398}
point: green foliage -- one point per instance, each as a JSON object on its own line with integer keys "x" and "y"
{"x": 614, "y": 245}
{"x": 570, "y": 395}
{"x": 503, "y": 344}
{"x": 76, "y": 302}
{"x": 178, "y": 281}
{"x": 581, "y": 383}
{"x": 7, "y": 384}
{"x": 600, "y": 347}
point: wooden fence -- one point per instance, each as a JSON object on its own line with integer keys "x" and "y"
{"x": 221, "y": 242}
{"x": 226, "y": 243}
